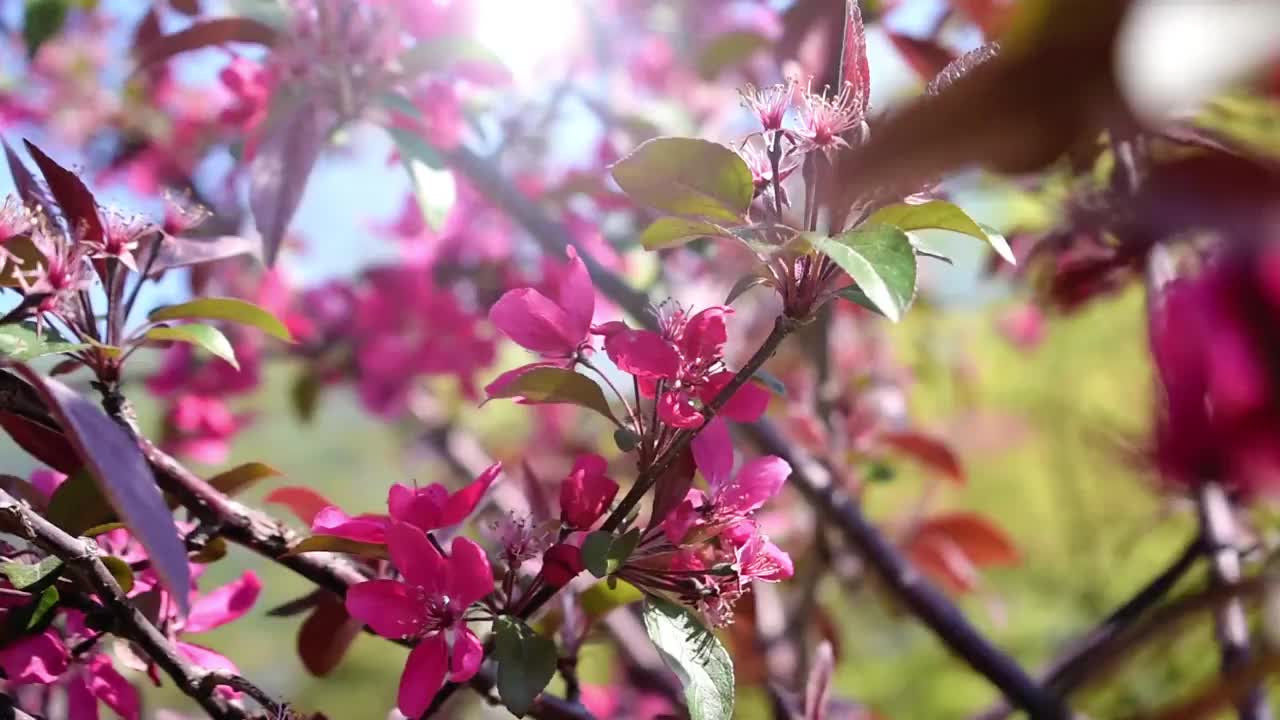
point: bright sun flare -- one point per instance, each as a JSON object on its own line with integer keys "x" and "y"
{"x": 526, "y": 33}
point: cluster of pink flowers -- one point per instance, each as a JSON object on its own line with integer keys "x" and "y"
{"x": 67, "y": 654}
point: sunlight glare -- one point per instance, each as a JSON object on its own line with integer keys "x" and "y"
{"x": 527, "y": 34}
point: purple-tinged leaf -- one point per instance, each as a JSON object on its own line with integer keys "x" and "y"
{"x": 28, "y": 187}
{"x": 206, "y": 33}
{"x": 326, "y": 635}
{"x": 959, "y": 67}
{"x": 854, "y": 68}
{"x": 926, "y": 57}
{"x": 278, "y": 173}
{"x": 124, "y": 477}
{"x": 79, "y": 208}
{"x": 175, "y": 251}
{"x": 41, "y": 442}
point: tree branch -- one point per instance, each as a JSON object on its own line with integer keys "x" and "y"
{"x": 81, "y": 559}
{"x": 910, "y": 588}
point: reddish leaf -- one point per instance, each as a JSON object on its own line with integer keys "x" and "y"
{"x": 981, "y": 542}
{"x": 944, "y": 562}
{"x": 205, "y": 33}
{"x": 176, "y": 251}
{"x": 186, "y": 7}
{"x": 303, "y": 501}
{"x": 25, "y": 491}
{"x": 325, "y": 636}
{"x": 123, "y": 475}
{"x": 670, "y": 489}
{"x": 78, "y": 206}
{"x": 42, "y": 442}
{"x": 926, "y": 57}
{"x": 854, "y": 68}
{"x": 929, "y": 451}
{"x": 28, "y": 188}
{"x": 278, "y": 172}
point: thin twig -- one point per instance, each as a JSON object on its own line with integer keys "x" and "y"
{"x": 82, "y": 561}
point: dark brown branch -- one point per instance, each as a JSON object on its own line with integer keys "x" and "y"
{"x": 1070, "y": 669}
{"x": 906, "y": 583}
{"x": 82, "y": 561}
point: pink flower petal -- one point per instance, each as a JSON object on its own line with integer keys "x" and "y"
{"x": 469, "y": 575}
{"x": 417, "y": 506}
{"x": 643, "y": 353}
{"x": 468, "y": 654}
{"x": 391, "y": 608}
{"x": 747, "y": 404}
{"x": 414, "y": 556}
{"x": 205, "y": 658}
{"x": 757, "y": 481}
{"x": 460, "y": 504}
{"x": 536, "y": 323}
{"x": 363, "y": 528}
{"x": 223, "y": 605}
{"x": 34, "y": 659}
{"x": 713, "y": 453}
{"x": 675, "y": 409}
{"x": 423, "y": 675}
{"x": 109, "y": 686}
{"x": 578, "y": 297}
{"x": 705, "y": 334}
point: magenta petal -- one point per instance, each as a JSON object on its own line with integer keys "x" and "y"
{"x": 390, "y": 607}
{"x": 468, "y": 654}
{"x": 747, "y": 404}
{"x": 578, "y": 297}
{"x": 34, "y": 659}
{"x": 534, "y": 322}
{"x": 423, "y": 675}
{"x": 206, "y": 658}
{"x": 422, "y": 507}
{"x": 460, "y": 504}
{"x": 414, "y": 556}
{"x": 224, "y": 604}
{"x": 675, "y": 410}
{"x": 364, "y": 528}
{"x": 469, "y": 575}
{"x": 81, "y": 703}
{"x": 643, "y": 353}
{"x": 713, "y": 453}
{"x": 705, "y": 335}
{"x": 755, "y": 483}
{"x": 779, "y": 562}
{"x": 112, "y": 688}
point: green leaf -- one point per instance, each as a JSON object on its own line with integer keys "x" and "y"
{"x": 770, "y": 382}
{"x": 626, "y": 439}
{"x": 206, "y": 336}
{"x": 242, "y": 476}
{"x": 19, "y": 342}
{"x": 435, "y": 190}
{"x": 941, "y": 215}
{"x": 78, "y": 505}
{"x": 439, "y": 54}
{"x": 413, "y": 146}
{"x": 24, "y": 575}
{"x": 119, "y": 570}
{"x": 542, "y": 385}
{"x": 695, "y": 655}
{"x": 669, "y": 232}
{"x": 526, "y": 663}
{"x": 595, "y": 552}
{"x": 331, "y": 543}
{"x": 304, "y": 394}
{"x": 881, "y": 260}
{"x": 745, "y": 283}
{"x": 233, "y": 310}
{"x": 42, "y": 20}
{"x": 684, "y": 176}
{"x": 42, "y": 609}
{"x": 600, "y": 599}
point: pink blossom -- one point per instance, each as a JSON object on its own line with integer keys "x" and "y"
{"x": 250, "y": 86}
{"x": 769, "y": 104}
{"x": 38, "y": 658}
{"x": 201, "y": 427}
{"x": 96, "y": 680}
{"x": 429, "y": 606}
{"x": 555, "y": 328}
{"x": 429, "y": 508}
{"x": 755, "y": 558}
{"x": 561, "y": 563}
{"x": 439, "y": 119}
{"x": 586, "y": 493}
